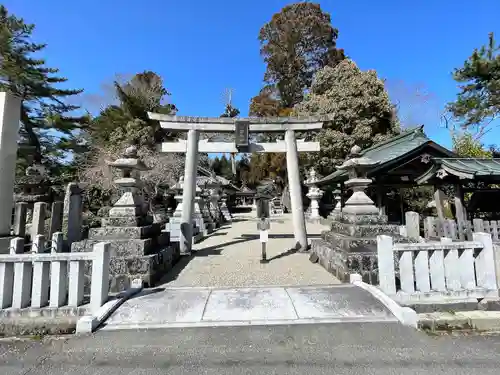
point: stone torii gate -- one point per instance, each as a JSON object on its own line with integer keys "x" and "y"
{"x": 241, "y": 127}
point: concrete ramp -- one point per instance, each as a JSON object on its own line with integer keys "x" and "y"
{"x": 207, "y": 307}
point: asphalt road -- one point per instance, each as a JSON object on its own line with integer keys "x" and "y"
{"x": 371, "y": 348}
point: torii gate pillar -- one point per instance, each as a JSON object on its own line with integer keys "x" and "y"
{"x": 188, "y": 193}
{"x": 292, "y": 166}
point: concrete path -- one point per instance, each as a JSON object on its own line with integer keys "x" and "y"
{"x": 230, "y": 258}
{"x": 320, "y": 349}
{"x": 195, "y": 307}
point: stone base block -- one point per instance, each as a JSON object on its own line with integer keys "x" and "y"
{"x": 121, "y": 233}
{"x": 364, "y": 230}
{"x": 149, "y": 268}
{"x": 362, "y": 219}
{"x": 126, "y": 247}
{"x": 342, "y": 263}
{"x": 126, "y": 221}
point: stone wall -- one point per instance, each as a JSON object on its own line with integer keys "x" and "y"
{"x": 341, "y": 262}
{"x": 125, "y": 267}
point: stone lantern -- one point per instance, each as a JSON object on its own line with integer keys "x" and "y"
{"x": 129, "y": 210}
{"x": 357, "y": 167}
{"x": 314, "y": 194}
{"x": 214, "y": 188}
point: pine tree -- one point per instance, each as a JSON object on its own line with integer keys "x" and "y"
{"x": 478, "y": 102}
{"x": 48, "y": 129}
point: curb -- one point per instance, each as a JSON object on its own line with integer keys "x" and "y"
{"x": 459, "y": 321}
{"x": 405, "y": 315}
{"x": 90, "y": 323}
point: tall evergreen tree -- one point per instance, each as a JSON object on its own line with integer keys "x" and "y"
{"x": 478, "y": 102}
{"x": 49, "y": 127}
{"x": 295, "y": 44}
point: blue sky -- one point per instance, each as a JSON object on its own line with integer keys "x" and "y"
{"x": 202, "y": 47}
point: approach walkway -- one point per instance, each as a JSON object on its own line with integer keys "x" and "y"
{"x": 230, "y": 257}
{"x": 224, "y": 284}
{"x": 212, "y": 307}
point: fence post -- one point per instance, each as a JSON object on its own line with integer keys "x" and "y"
{"x": 478, "y": 225}
{"x": 496, "y": 255}
{"x": 451, "y": 267}
{"x": 412, "y": 225}
{"x": 485, "y": 262}
{"x": 99, "y": 288}
{"x": 385, "y": 259}
{"x": 7, "y": 276}
{"x": 40, "y": 288}
{"x": 58, "y": 274}
{"x": 22, "y": 276}
{"x": 430, "y": 227}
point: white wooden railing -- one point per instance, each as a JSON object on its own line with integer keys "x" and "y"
{"x": 47, "y": 278}
{"x": 438, "y": 272}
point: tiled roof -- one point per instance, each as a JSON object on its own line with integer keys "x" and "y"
{"x": 390, "y": 150}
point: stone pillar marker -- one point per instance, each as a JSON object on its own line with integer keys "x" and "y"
{"x": 72, "y": 213}
{"x": 314, "y": 195}
{"x": 10, "y": 114}
{"x": 292, "y": 163}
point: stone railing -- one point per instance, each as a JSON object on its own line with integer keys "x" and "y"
{"x": 434, "y": 228}
{"x": 47, "y": 278}
{"x": 438, "y": 272}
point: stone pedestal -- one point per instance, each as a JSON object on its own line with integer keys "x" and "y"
{"x": 350, "y": 246}
{"x": 139, "y": 247}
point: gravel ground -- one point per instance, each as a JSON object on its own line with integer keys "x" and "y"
{"x": 230, "y": 257}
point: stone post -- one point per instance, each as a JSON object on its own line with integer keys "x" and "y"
{"x": 188, "y": 194}
{"x": 56, "y": 218}
{"x": 72, "y": 213}
{"x": 20, "y": 219}
{"x": 39, "y": 216}
{"x": 292, "y": 164}
{"x": 412, "y": 220}
{"x": 314, "y": 195}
